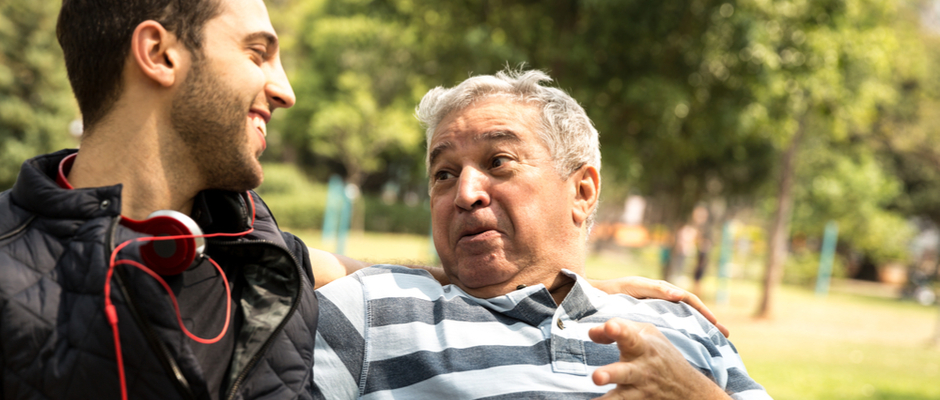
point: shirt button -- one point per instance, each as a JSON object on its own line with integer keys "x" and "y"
{"x": 561, "y": 325}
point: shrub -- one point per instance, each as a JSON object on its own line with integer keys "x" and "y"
{"x": 300, "y": 204}
{"x": 396, "y": 217}
{"x": 295, "y": 201}
{"x": 802, "y": 267}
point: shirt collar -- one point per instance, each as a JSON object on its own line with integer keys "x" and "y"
{"x": 534, "y": 304}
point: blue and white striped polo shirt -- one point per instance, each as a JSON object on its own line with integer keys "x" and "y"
{"x": 390, "y": 332}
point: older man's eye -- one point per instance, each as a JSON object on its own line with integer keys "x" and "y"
{"x": 443, "y": 175}
{"x": 499, "y": 161}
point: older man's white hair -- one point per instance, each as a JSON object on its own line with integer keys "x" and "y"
{"x": 565, "y": 128}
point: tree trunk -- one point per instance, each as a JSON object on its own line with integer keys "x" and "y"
{"x": 780, "y": 230}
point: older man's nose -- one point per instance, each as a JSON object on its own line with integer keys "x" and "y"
{"x": 472, "y": 188}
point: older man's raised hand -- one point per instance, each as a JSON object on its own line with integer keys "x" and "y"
{"x": 650, "y": 367}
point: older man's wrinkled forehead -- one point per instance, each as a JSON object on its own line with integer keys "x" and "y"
{"x": 521, "y": 113}
{"x": 488, "y": 136}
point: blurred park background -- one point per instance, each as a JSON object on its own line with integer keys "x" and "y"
{"x": 787, "y": 150}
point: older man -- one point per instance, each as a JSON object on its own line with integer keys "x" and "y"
{"x": 514, "y": 183}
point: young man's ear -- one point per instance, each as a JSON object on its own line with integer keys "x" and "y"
{"x": 587, "y": 185}
{"x": 157, "y": 53}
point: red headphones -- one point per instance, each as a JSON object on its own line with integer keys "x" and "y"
{"x": 168, "y": 257}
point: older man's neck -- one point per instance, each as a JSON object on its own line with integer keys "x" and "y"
{"x": 560, "y": 288}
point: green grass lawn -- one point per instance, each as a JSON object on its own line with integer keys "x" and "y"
{"x": 839, "y": 347}
{"x": 376, "y": 247}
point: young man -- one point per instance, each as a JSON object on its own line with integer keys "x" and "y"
{"x": 175, "y": 97}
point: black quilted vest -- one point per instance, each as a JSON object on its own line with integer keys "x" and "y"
{"x": 55, "y": 342}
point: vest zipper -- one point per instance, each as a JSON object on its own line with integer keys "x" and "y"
{"x": 18, "y": 229}
{"x": 277, "y": 330}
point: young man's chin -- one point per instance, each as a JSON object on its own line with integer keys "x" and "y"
{"x": 243, "y": 180}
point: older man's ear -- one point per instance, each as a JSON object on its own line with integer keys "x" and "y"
{"x": 587, "y": 186}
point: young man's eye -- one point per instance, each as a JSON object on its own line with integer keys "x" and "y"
{"x": 261, "y": 52}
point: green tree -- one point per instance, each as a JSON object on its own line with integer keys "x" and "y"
{"x": 850, "y": 184}
{"x": 352, "y": 68}
{"x": 908, "y": 137}
{"x": 36, "y": 103}
{"x": 825, "y": 69}
{"x": 669, "y": 102}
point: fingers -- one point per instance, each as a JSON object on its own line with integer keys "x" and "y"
{"x": 624, "y": 374}
{"x": 599, "y": 334}
{"x": 625, "y": 333}
{"x": 620, "y": 373}
{"x": 723, "y": 330}
{"x": 658, "y": 290}
{"x": 697, "y": 304}
{"x": 645, "y": 288}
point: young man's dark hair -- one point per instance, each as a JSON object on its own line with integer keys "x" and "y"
{"x": 95, "y": 36}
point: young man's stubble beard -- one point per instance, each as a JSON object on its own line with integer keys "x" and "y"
{"x": 211, "y": 120}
